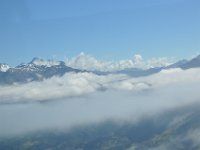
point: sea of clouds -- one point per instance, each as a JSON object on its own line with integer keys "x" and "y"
{"x": 84, "y": 98}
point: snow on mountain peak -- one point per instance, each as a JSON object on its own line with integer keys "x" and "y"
{"x": 42, "y": 62}
{"x": 88, "y": 62}
{"x": 4, "y": 67}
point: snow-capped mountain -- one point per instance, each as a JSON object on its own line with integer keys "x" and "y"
{"x": 4, "y": 67}
{"x": 38, "y": 64}
{"x": 39, "y": 69}
{"x": 35, "y": 70}
{"x": 41, "y": 62}
{"x": 182, "y": 64}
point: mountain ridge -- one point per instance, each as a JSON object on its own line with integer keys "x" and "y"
{"x": 38, "y": 69}
{"x": 32, "y": 72}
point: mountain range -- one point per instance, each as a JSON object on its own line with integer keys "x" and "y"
{"x": 39, "y": 69}
{"x": 35, "y": 70}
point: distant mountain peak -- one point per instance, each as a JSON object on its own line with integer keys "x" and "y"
{"x": 197, "y": 57}
{"x": 177, "y": 64}
{"x": 4, "y": 67}
{"x": 35, "y": 59}
{"x": 36, "y": 70}
{"x": 193, "y": 63}
{"x": 41, "y": 62}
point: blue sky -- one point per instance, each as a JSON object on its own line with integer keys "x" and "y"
{"x": 106, "y": 29}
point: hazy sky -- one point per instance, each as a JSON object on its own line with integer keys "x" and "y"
{"x": 107, "y": 29}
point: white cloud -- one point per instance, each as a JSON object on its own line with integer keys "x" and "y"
{"x": 82, "y": 98}
{"x": 69, "y": 85}
{"x": 84, "y": 61}
{"x": 80, "y": 84}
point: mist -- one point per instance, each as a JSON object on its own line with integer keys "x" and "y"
{"x": 62, "y": 103}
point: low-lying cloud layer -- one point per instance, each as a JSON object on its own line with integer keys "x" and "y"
{"x": 82, "y": 84}
{"x": 84, "y": 98}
